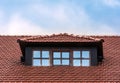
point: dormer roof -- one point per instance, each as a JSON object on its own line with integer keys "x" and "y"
{"x": 61, "y": 38}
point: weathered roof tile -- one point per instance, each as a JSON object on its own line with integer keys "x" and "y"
{"x": 61, "y": 38}
{"x": 11, "y": 69}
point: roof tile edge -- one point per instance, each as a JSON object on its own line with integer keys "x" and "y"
{"x": 61, "y": 34}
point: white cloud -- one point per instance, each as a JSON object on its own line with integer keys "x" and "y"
{"x": 57, "y": 12}
{"x": 112, "y": 3}
{"x": 20, "y": 26}
{"x": 72, "y": 19}
{"x": 67, "y": 18}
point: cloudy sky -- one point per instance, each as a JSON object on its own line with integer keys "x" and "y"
{"x": 36, "y": 17}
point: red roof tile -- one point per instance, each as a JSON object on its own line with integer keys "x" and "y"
{"x": 11, "y": 69}
{"x": 61, "y": 38}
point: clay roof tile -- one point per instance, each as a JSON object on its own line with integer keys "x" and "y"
{"x": 11, "y": 69}
{"x": 60, "y": 38}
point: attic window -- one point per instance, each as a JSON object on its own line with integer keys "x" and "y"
{"x": 81, "y": 58}
{"x": 61, "y": 58}
{"x": 40, "y": 58}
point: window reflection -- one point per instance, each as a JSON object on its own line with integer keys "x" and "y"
{"x": 56, "y": 54}
{"x": 76, "y": 63}
{"x": 65, "y": 62}
{"x": 45, "y": 62}
{"x": 56, "y": 62}
{"x": 76, "y": 54}
{"x": 61, "y": 58}
{"x": 45, "y": 54}
{"x": 85, "y": 54}
{"x": 81, "y": 61}
{"x": 85, "y": 63}
{"x": 36, "y": 62}
{"x": 79, "y": 58}
{"x": 41, "y": 58}
{"x": 36, "y": 54}
{"x": 65, "y": 54}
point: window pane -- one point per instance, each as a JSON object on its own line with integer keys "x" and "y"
{"x": 85, "y": 62}
{"x": 85, "y": 54}
{"x": 76, "y": 54}
{"x": 56, "y": 62}
{"x": 45, "y": 62}
{"x": 45, "y": 54}
{"x": 76, "y": 63}
{"x": 56, "y": 54}
{"x": 65, "y": 54}
{"x": 65, "y": 62}
{"x": 36, "y": 62}
{"x": 36, "y": 54}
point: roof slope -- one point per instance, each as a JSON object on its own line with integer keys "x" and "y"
{"x": 11, "y": 70}
{"x": 60, "y": 38}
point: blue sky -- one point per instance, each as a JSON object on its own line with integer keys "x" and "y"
{"x": 39, "y": 17}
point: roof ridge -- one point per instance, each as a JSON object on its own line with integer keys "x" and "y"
{"x": 80, "y": 36}
{"x": 61, "y": 34}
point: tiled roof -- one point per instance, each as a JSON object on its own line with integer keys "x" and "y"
{"x": 11, "y": 69}
{"x": 60, "y": 38}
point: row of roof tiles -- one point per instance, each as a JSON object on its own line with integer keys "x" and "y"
{"x": 11, "y": 69}
{"x": 61, "y": 38}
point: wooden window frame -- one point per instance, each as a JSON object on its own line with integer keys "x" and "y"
{"x": 61, "y": 58}
{"x": 40, "y": 58}
{"x": 81, "y": 57}
{"x": 70, "y": 51}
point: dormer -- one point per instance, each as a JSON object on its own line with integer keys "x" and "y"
{"x": 61, "y": 50}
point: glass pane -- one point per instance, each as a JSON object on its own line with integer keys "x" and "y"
{"x": 76, "y": 63}
{"x": 76, "y": 54}
{"x": 56, "y": 62}
{"x": 45, "y": 62}
{"x": 85, "y": 54}
{"x": 45, "y": 54}
{"x": 36, "y": 62}
{"x": 65, "y": 54}
{"x": 56, "y": 54}
{"x": 36, "y": 54}
{"x": 65, "y": 62}
{"x": 85, "y": 62}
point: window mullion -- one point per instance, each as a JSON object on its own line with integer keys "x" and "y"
{"x": 71, "y": 58}
{"x": 41, "y": 57}
{"x": 80, "y": 57}
{"x": 61, "y": 58}
{"x": 51, "y": 58}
